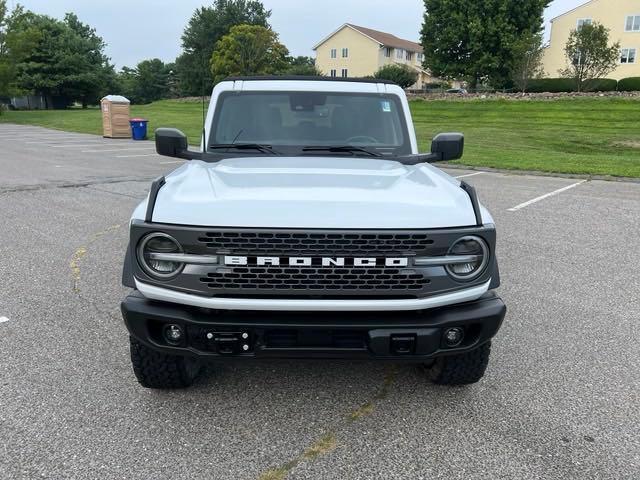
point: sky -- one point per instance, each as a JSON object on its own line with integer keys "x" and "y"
{"x": 139, "y": 29}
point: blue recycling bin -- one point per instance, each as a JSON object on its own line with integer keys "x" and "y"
{"x": 138, "y": 128}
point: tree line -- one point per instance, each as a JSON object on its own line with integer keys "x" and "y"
{"x": 496, "y": 43}
{"x": 65, "y": 61}
{"x": 499, "y": 44}
{"x": 54, "y": 58}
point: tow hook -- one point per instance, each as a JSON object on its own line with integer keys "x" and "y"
{"x": 403, "y": 344}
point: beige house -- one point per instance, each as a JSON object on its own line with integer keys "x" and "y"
{"x": 353, "y": 51}
{"x": 622, "y": 17}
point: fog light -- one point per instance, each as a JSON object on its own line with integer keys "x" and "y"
{"x": 453, "y": 336}
{"x": 173, "y": 334}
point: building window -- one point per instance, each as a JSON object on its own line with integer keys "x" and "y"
{"x": 345, "y": 52}
{"x": 334, "y": 53}
{"x": 420, "y": 57}
{"x": 408, "y": 56}
{"x": 584, "y": 21}
{"x": 399, "y": 53}
{"x": 628, "y": 55}
{"x": 633, "y": 23}
{"x": 345, "y": 73}
{"x": 387, "y": 52}
{"x": 334, "y": 73}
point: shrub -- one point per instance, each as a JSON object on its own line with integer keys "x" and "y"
{"x": 630, "y": 84}
{"x": 565, "y": 85}
{"x": 603, "y": 85}
{"x": 551, "y": 85}
{"x": 400, "y": 74}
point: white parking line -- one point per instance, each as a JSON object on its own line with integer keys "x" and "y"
{"x": 72, "y": 145}
{"x": 542, "y": 197}
{"x": 3, "y": 319}
{"x": 174, "y": 161}
{"x": 470, "y": 175}
{"x": 115, "y": 149}
{"x": 133, "y": 156}
{"x": 40, "y": 137}
{"x": 67, "y": 141}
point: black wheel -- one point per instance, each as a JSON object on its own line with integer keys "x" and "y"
{"x": 159, "y": 370}
{"x": 461, "y": 369}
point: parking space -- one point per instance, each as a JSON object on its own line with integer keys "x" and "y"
{"x": 43, "y": 158}
{"x": 560, "y": 399}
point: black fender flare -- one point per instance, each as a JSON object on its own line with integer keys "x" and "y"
{"x": 127, "y": 269}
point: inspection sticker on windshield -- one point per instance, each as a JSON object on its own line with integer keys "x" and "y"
{"x": 386, "y": 105}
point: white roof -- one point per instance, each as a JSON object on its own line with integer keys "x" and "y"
{"x": 573, "y": 9}
{"x": 116, "y": 99}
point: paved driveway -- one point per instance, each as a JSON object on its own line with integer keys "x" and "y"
{"x": 560, "y": 399}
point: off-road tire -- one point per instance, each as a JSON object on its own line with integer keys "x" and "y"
{"x": 159, "y": 370}
{"x": 461, "y": 369}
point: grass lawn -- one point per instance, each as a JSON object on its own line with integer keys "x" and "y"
{"x": 599, "y": 136}
{"x": 187, "y": 116}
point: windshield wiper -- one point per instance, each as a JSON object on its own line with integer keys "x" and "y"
{"x": 344, "y": 148}
{"x": 244, "y": 146}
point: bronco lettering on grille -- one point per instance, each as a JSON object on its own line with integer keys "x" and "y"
{"x": 317, "y": 261}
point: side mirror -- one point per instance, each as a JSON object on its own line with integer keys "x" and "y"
{"x": 171, "y": 142}
{"x": 448, "y": 146}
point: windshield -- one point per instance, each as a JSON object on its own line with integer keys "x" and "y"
{"x": 291, "y": 122}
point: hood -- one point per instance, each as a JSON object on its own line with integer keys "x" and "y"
{"x": 312, "y": 192}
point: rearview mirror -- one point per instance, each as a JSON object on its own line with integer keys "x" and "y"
{"x": 447, "y": 146}
{"x": 171, "y": 142}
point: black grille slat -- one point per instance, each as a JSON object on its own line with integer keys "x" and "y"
{"x": 316, "y": 278}
{"x": 324, "y": 243}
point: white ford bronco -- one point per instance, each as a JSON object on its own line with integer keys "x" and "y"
{"x": 309, "y": 226}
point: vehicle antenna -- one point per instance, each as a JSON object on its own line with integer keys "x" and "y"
{"x": 204, "y": 91}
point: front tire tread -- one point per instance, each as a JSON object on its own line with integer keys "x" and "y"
{"x": 154, "y": 369}
{"x": 461, "y": 369}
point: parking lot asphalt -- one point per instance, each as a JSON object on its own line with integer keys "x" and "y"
{"x": 560, "y": 398}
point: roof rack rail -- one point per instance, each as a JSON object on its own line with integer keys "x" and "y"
{"x": 309, "y": 78}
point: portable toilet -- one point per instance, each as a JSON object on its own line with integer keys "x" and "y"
{"x": 115, "y": 116}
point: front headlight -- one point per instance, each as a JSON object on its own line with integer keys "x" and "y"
{"x": 478, "y": 256}
{"x": 155, "y": 255}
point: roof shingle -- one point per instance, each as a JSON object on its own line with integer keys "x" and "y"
{"x": 387, "y": 39}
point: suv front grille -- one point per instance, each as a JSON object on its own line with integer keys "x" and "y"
{"x": 340, "y": 277}
{"x": 299, "y": 243}
{"x": 316, "y": 278}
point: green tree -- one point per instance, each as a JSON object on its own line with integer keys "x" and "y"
{"x": 127, "y": 79}
{"x": 67, "y": 60}
{"x": 205, "y": 28}
{"x": 93, "y": 73}
{"x": 589, "y": 55}
{"x": 474, "y": 40}
{"x": 7, "y": 77}
{"x": 400, "y": 74}
{"x": 148, "y": 82}
{"x": 152, "y": 80}
{"x": 248, "y": 50}
{"x": 14, "y": 46}
{"x": 527, "y": 59}
{"x": 302, "y": 65}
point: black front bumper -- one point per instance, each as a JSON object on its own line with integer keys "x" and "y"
{"x": 217, "y": 334}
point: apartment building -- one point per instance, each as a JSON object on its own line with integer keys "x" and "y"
{"x": 353, "y": 51}
{"x": 621, "y": 17}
